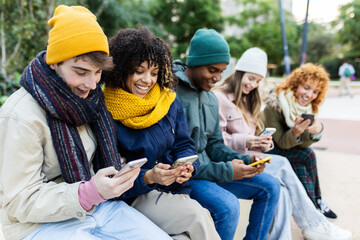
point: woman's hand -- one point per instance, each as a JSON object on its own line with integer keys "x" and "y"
{"x": 257, "y": 143}
{"x": 186, "y": 174}
{"x": 163, "y": 174}
{"x": 300, "y": 126}
{"x": 316, "y": 127}
{"x": 113, "y": 187}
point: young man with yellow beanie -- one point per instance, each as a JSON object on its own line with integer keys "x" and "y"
{"x": 227, "y": 171}
{"x": 58, "y": 147}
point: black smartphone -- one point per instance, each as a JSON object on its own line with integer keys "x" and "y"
{"x": 310, "y": 116}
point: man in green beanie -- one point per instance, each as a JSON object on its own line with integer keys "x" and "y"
{"x": 224, "y": 174}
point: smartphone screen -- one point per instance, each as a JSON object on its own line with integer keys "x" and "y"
{"x": 267, "y": 132}
{"x": 131, "y": 165}
{"x": 310, "y": 116}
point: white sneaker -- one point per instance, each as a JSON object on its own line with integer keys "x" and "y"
{"x": 327, "y": 231}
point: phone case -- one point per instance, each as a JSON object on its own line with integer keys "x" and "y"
{"x": 260, "y": 161}
{"x": 184, "y": 160}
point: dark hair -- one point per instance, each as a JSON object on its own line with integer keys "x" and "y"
{"x": 129, "y": 48}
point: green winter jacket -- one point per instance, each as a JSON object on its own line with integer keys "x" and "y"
{"x": 202, "y": 113}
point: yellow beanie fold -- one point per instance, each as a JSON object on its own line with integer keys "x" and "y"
{"x": 75, "y": 31}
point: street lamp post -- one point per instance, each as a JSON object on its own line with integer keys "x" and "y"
{"x": 284, "y": 40}
{"x": 304, "y": 40}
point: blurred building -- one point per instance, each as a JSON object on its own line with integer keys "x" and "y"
{"x": 232, "y": 7}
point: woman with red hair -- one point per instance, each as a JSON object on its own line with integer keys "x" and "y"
{"x": 302, "y": 92}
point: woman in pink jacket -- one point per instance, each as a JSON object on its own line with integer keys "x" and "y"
{"x": 240, "y": 122}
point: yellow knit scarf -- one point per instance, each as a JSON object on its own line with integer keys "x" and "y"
{"x": 136, "y": 112}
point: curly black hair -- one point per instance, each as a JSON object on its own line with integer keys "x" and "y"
{"x": 129, "y": 48}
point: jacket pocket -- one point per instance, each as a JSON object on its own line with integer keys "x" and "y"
{"x": 233, "y": 115}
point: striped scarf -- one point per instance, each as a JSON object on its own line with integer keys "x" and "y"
{"x": 65, "y": 111}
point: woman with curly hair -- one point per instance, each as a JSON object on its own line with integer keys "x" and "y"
{"x": 302, "y": 92}
{"x": 150, "y": 122}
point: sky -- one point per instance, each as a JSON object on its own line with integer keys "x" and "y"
{"x": 319, "y": 10}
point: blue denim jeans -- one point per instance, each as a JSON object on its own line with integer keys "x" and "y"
{"x": 113, "y": 220}
{"x": 221, "y": 199}
{"x": 293, "y": 201}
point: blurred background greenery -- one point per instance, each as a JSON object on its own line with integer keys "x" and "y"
{"x": 24, "y": 28}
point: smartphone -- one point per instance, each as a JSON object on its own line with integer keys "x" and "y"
{"x": 310, "y": 116}
{"x": 130, "y": 165}
{"x": 183, "y": 160}
{"x": 267, "y": 132}
{"x": 260, "y": 161}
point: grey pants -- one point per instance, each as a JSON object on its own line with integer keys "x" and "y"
{"x": 178, "y": 215}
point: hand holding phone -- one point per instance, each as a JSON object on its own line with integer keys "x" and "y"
{"x": 260, "y": 161}
{"x": 267, "y": 132}
{"x": 310, "y": 116}
{"x": 181, "y": 161}
{"x": 131, "y": 165}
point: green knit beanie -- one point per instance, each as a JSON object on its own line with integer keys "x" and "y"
{"x": 207, "y": 47}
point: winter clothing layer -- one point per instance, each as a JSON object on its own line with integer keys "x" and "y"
{"x": 65, "y": 111}
{"x": 163, "y": 142}
{"x": 136, "y": 112}
{"x": 207, "y": 46}
{"x": 283, "y": 137}
{"x": 85, "y": 34}
{"x": 233, "y": 125}
{"x": 215, "y": 157}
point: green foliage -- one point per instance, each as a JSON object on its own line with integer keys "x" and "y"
{"x": 114, "y": 15}
{"x": 320, "y": 43}
{"x": 179, "y": 20}
{"x": 331, "y": 64}
{"x": 349, "y": 29}
{"x": 25, "y": 29}
{"x": 259, "y": 24}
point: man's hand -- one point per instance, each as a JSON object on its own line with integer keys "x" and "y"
{"x": 261, "y": 166}
{"x": 241, "y": 170}
{"x": 113, "y": 187}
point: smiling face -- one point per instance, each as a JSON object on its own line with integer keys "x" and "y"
{"x": 79, "y": 75}
{"x": 205, "y": 77}
{"x": 306, "y": 93}
{"x": 250, "y": 81}
{"x": 142, "y": 80}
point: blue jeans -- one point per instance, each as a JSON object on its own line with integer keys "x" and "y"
{"x": 293, "y": 201}
{"x": 221, "y": 199}
{"x": 111, "y": 220}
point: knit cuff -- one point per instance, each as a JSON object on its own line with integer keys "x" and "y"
{"x": 88, "y": 195}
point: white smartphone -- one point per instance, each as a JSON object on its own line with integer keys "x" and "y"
{"x": 267, "y": 132}
{"x": 130, "y": 165}
{"x": 181, "y": 161}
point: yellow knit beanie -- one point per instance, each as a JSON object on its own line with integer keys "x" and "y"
{"x": 75, "y": 31}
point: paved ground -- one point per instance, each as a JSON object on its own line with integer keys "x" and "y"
{"x": 338, "y": 155}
